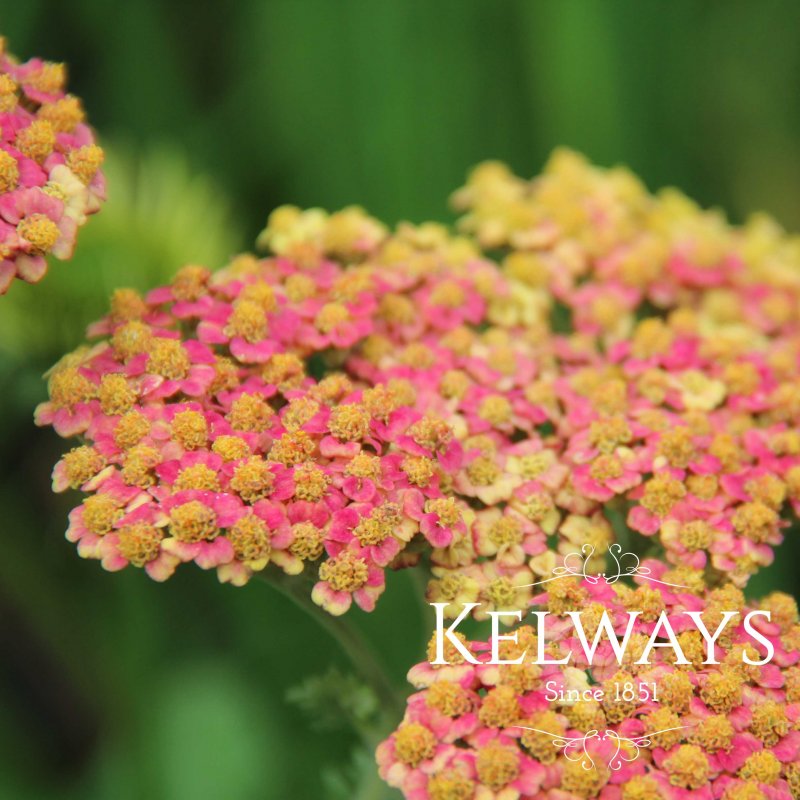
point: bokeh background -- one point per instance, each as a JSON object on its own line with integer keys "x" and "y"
{"x": 212, "y": 114}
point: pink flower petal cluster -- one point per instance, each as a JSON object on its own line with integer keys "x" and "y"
{"x": 724, "y": 730}
{"x": 50, "y": 176}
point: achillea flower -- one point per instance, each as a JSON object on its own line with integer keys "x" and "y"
{"x": 50, "y": 176}
{"x": 504, "y": 730}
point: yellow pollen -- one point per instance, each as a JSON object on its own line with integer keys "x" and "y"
{"x": 414, "y": 743}
{"x": 741, "y": 378}
{"x": 9, "y": 171}
{"x": 451, "y": 654}
{"x": 299, "y": 411}
{"x": 762, "y": 766}
{"x": 39, "y": 231}
{"x": 755, "y": 520}
{"x": 580, "y": 782}
{"x": 8, "y": 93}
{"x": 640, "y": 787}
{"x": 448, "y": 294}
{"x": 230, "y": 448}
{"x": 345, "y": 573}
{"x": 505, "y": 531}
{"x": 380, "y": 401}
{"x": 538, "y": 506}
{"x": 450, "y": 699}
{"x": 450, "y": 785}
{"x": 618, "y": 710}
{"x": 168, "y": 359}
{"x": 247, "y": 320}
{"x": 417, "y": 355}
{"x": 292, "y": 448}
{"x": 250, "y": 538}
{"x": 68, "y": 387}
{"x": 48, "y": 79}
{"x": 364, "y": 465}
{"x": 606, "y": 468}
{"x": 687, "y": 767}
{"x": 432, "y": 433}
{"x": 250, "y": 412}
{"x": 713, "y": 733}
{"x": 140, "y": 461}
{"x": 330, "y": 317}
{"x": 395, "y": 308}
{"x": 193, "y": 522}
{"x": 37, "y": 140}
{"x": 499, "y": 708}
{"x": 722, "y": 691}
{"x": 310, "y": 482}
{"x": 677, "y": 447}
{"x": 675, "y": 690}
{"x": 696, "y": 535}
{"x": 782, "y": 608}
{"x": 139, "y": 543}
{"x": 769, "y": 722}
{"x": 190, "y": 282}
{"x": 100, "y": 512}
{"x": 131, "y": 339}
{"x": 768, "y": 489}
{"x": 446, "y": 509}
{"x": 661, "y": 493}
{"x": 198, "y": 476}
{"x": 651, "y": 338}
{"x": 299, "y": 287}
{"x": 85, "y": 161}
{"x": 130, "y": 429}
{"x": 81, "y": 464}
{"x": 190, "y": 429}
{"x": 116, "y": 397}
{"x": 539, "y": 745}
{"x": 64, "y": 114}
{"x": 252, "y": 479}
{"x": 126, "y": 305}
{"x": 308, "y": 542}
{"x": 751, "y": 791}
{"x": 495, "y": 409}
{"x": 349, "y": 423}
{"x": 284, "y": 370}
{"x": 703, "y": 486}
{"x": 502, "y": 593}
{"x": 497, "y": 766}
{"x": 260, "y": 293}
{"x": 454, "y": 384}
{"x": 483, "y": 471}
{"x": 418, "y": 469}
{"x": 609, "y": 433}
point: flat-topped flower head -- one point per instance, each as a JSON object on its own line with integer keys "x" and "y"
{"x": 50, "y": 168}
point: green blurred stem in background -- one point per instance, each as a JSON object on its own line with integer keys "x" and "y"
{"x": 390, "y": 698}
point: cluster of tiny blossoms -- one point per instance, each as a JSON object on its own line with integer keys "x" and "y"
{"x": 502, "y": 732}
{"x": 50, "y": 177}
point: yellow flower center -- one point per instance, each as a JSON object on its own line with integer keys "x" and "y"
{"x": 495, "y": 409}
{"x": 349, "y": 423}
{"x": 417, "y": 355}
{"x": 131, "y": 429}
{"x": 230, "y": 448}
{"x": 450, "y": 785}
{"x": 330, "y": 317}
{"x": 661, "y": 493}
{"x": 190, "y": 282}
{"x": 139, "y": 464}
{"x": 131, "y": 339}
{"x": 292, "y": 448}
{"x": 248, "y": 320}
{"x": 505, "y": 531}
{"x": 364, "y": 465}
{"x": 609, "y": 433}
{"x": 713, "y": 733}
{"x": 448, "y": 698}
{"x": 9, "y": 171}
{"x": 286, "y": 371}
{"x": 722, "y": 691}
{"x": 499, "y": 708}
{"x": 68, "y": 387}
{"x": 40, "y": 231}
{"x": 677, "y": 447}
{"x": 82, "y": 463}
{"x": 64, "y": 115}
{"x": 310, "y": 482}
{"x": 100, "y": 512}
{"x": 418, "y": 469}
{"x": 250, "y": 538}
{"x": 37, "y": 140}
{"x": 193, "y": 522}
{"x": 190, "y": 429}
{"x": 198, "y": 476}
{"x": 606, "y": 468}
{"x": 252, "y": 479}
{"x": 140, "y": 543}
{"x": 250, "y": 412}
{"x": 85, "y": 161}
{"x": 755, "y": 520}
{"x": 168, "y": 359}
{"x": 414, "y": 743}
{"x": 116, "y": 397}
{"x": 762, "y": 766}
{"x": 483, "y": 471}
{"x": 345, "y": 573}
{"x": 308, "y": 542}
{"x": 299, "y": 411}
{"x": 126, "y": 305}
{"x": 497, "y": 766}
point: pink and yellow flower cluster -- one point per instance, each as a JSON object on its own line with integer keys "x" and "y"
{"x": 503, "y": 732}
{"x": 50, "y": 176}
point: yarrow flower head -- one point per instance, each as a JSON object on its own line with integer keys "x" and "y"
{"x": 50, "y": 176}
{"x": 605, "y": 729}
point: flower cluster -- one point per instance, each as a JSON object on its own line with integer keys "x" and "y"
{"x": 361, "y": 399}
{"x": 50, "y": 176}
{"x": 533, "y": 730}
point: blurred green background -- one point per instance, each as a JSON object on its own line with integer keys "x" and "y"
{"x": 213, "y": 113}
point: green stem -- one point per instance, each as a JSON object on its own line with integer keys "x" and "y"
{"x": 351, "y": 641}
